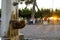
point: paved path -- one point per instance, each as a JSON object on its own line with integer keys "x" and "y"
{"x": 41, "y": 31}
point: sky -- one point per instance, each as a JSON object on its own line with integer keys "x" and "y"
{"x": 43, "y": 4}
{"x": 0, "y": 3}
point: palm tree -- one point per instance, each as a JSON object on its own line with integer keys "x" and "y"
{"x": 27, "y": 2}
{"x": 33, "y": 9}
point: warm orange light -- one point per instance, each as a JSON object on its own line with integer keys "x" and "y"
{"x": 51, "y": 18}
{"x": 54, "y": 18}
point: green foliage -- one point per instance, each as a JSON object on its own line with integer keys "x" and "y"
{"x": 43, "y": 13}
{"x": 38, "y": 14}
{"x": 57, "y": 12}
{"x": 25, "y": 13}
{"x": 28, "y": 2}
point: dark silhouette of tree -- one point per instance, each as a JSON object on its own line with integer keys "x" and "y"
{"x": 45, "y": 12}
{"x": 27, "y": 2}
{"x": 57, "y": 12}
{"x": 38, "y": 14}
{"x": 25, "y": 13}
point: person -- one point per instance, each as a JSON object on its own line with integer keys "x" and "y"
{"x": 34, "y": 21}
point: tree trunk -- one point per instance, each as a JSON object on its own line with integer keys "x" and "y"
{"x": 33, "y": 9}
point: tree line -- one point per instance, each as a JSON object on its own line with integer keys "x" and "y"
{"x": 26, "y": 13}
